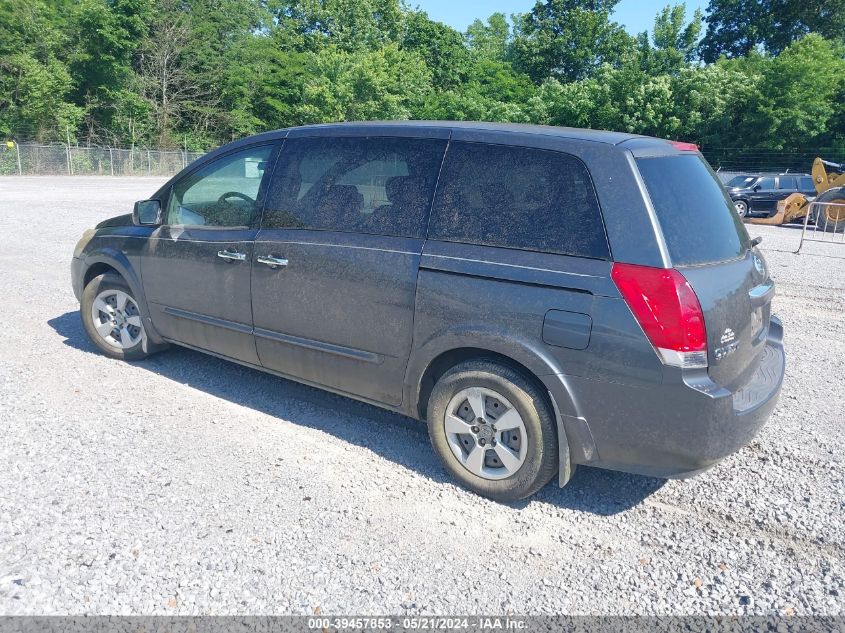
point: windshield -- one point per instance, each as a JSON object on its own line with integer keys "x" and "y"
{"x": 698, "y": 219}
{"x": 740, "y": 181}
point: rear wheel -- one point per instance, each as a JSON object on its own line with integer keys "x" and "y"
{"x": 493, "y": 430}
{"x": 829, "y": 217}
{"x": 741, "y": 207}
{"x": 112, "y": 319}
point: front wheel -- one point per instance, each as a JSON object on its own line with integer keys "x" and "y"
{"x": 493, "y": 430}
{"x": 112, "y": 319}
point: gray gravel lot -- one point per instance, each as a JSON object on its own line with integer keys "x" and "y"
{"x": 186, "y": 484}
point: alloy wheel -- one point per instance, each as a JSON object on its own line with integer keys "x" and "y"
{"x": 116, "y": 319}
{"x": 486, "y": 433}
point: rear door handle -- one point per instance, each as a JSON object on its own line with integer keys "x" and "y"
{"x": 230, "y": 256}
{"x": 272, "y": 262}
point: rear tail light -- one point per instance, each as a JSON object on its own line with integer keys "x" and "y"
{"x": 667, "y": 310}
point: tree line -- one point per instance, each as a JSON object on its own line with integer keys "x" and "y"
{"x": 751, "y": 74}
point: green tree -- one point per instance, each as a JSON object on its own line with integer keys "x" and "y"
{"x": 265, "y": 83}
{"x": 494, "y": 92}
{"x": 675, "y": 41}
{"x": 387, "y": 83}
{"x": 103, "y": 41}
{"x": 201, "y": 72}
{"x": 489, "y": 40}
{"x": 440, "y": 47}
{"x": 34, "y": 98}
{"x": 737, "y": 27}
{"x": 796, "y": 104}
{"x": 568, "y": 39}
{"x": 614, "y": 99}
{"x": 711, "y": 103}
{"x": 348, "y": 25}
{"x": 36, "y": 84}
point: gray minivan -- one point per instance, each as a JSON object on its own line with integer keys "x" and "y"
{"x": 543, "y": 297}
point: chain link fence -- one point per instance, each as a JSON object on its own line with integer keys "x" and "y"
{"x": 736, "y": 161}
{"x": 32, "y": 159}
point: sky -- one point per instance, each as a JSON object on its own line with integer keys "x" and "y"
{"x": 635, "y": 15}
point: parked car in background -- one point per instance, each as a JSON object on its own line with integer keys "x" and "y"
{"x": 542, "y": 297}
{"x": 758, "y": 195}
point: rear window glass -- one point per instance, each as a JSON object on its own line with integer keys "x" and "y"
{"x": 521, "y": 198}
{"x": 787, "y": 182}
{"x": 698, "y": 218}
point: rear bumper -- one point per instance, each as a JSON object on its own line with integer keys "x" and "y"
{"x": 676, "y": 429}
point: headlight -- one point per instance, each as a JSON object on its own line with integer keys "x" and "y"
{"x": 83, "y": 242}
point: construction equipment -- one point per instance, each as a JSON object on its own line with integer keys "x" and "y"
{"x": 830, "y": 186}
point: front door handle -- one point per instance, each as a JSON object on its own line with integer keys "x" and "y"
{"x": 230, "y": 256}
{"x": 272, "y": 262}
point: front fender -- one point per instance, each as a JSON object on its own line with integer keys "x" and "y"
{"x": 118, "y": 260}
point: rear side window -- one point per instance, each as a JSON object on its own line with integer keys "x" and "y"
{"x": 787, "y": 183}
{"x": 381, "y": 186}
{"x": 696, "y": 215}
{"x": 807, "y": 184}
{"x": 516, "y": 197}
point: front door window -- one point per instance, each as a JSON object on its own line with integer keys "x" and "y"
{"x": 224, "y": 193}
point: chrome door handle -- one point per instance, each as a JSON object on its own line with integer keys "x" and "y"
{"x": 271, "y": 261}
{"x": 229, "y": 256}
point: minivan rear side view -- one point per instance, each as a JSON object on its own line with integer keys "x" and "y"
{"x": 542, "y": 297}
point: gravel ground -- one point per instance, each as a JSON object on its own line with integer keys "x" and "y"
{"x": 189, "y": 485}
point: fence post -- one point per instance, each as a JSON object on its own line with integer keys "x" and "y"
{"x": 149, "y": 164}
{"x": 18, "y": 152}
{"x": 67, "y": 153}
{"x": 111, "y": 162}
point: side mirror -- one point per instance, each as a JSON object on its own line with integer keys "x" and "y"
{"x": 147, "y": 213}
{"x": 756, "y": 188}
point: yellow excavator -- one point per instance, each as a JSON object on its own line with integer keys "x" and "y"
{"x": 829, "y": 179}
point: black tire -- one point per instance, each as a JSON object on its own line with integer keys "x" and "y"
{"x": 741, "y": 207}
{"x": 541, "y": 460}
{"x": 831, "y": 219}
{"x": 99, "y": 284}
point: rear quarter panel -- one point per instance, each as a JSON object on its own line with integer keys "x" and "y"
{"x": 498, "y": 299}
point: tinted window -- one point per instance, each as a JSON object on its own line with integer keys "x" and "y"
{"x": 223, "y": 193}
{"x": 382, "y": 186}
{"x": 518, "y": 198}
{"x": 807, "y": 184}
{"x": 740, "y": 181}
{"x": 787, "y": 182}
{"x": 766, "y": 183}
{"x": 698, "y": 218}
